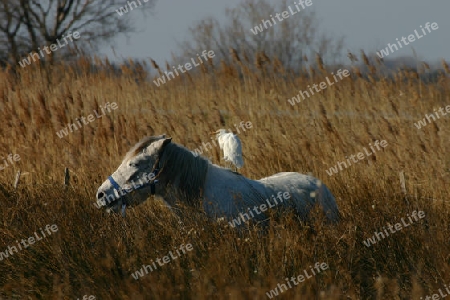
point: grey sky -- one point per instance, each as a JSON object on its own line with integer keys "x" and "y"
{"x": 368, "y": 25}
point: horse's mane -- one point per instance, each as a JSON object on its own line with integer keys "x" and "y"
{"x": 141, "y": 145}
{"x": 184, "y": 170}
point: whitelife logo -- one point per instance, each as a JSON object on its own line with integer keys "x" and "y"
{"x": 360, "y": 156}
{"x": 72, "y": 126}
{"x": 411, "y": 38}
{"x": 162, "y": 80}
{"x": 262, "y": 207}
{"x": 166, "y": 259}
{"x": 300, "y": 278}
{"x": 53, "y": 47}
{"x": 284, "y": 15}
{"x": 323, "y": 85}
{"x": 11, "y": 159}
{"x": 31, "y": 240}
{"x": 423, "y": 122}
{"x": 439, "y": 296}
{"x": 123, "y": 9}
{"x": 398, "y": 226}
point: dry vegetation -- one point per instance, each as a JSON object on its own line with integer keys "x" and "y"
{"x": 95, "y": 254}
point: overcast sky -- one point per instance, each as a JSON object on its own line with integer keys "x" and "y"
{"x": 366, "y": 24}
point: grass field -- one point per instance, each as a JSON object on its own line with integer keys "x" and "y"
{"x": 95, "y": 254}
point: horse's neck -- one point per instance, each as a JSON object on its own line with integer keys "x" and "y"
{"x": 186, "y": 182}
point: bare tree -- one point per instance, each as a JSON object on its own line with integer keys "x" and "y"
{"x": 289, "y": 40}
{"x": 30, "y": 25}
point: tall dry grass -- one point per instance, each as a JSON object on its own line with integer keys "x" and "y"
{"x": 95, "y": 254}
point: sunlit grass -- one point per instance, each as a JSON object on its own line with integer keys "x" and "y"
{"x": 95, "y": 254}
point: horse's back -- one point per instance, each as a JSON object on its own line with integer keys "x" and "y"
{"x": 306, "y": 191}
{"x": 227, "y": 193}
{"x": 292, "y": 179}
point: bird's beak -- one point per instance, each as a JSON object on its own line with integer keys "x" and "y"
{"x": 213, "y": 133}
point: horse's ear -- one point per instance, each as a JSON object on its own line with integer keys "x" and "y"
{"x": 164, "y": 143}
{"x": 160, "y": 144}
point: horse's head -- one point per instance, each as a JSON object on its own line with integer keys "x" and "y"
{"x": 135, "y": 178}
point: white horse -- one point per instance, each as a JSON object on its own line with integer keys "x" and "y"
{"x": 174, "y": 173}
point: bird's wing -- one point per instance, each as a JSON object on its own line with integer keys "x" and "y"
{"x": 221, "y": 140}
{"x": 234, "y": 150}
{"x": 226, "y": 146}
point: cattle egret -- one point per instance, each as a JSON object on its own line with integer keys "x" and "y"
{"x": 231, "y": 146}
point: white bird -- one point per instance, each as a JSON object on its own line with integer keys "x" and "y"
{"x": 231, "y": 146}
